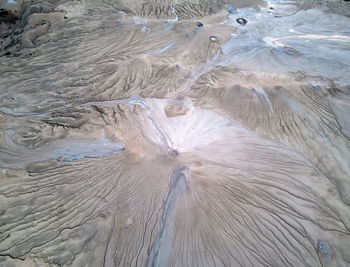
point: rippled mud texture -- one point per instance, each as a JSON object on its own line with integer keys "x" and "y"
{"x": 174, "y": 133}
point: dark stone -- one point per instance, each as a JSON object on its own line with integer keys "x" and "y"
{"x": 199, "y": 24}
{"x": 241, "y": 21}
{"x": 7, "y": 16}
{"x": 3, "y": 12}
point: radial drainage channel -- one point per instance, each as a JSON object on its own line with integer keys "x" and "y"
{"x": 162, "y": 244}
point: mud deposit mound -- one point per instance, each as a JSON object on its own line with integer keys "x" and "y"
{"x": 174, "y": 133}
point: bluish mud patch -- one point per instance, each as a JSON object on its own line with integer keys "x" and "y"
{"x": 293, "y": 105}
{"x": 231, "y": 10}
{"x": 162, "y": 243}
{"x": 259, "y": 93}
{"x": 132, "y": 101}
{"x": 160, "y": 51}
{"x": 92, "y": 149}
{"x": 171, "y": 21}
{"x": 139, "y": 21}
{"x": 322, "y": 248}
{"x": 11, "y": 2}
{"x": 145, "y": 28}
{"x": 282, "y": 44}
{"x": 18, "y": 156}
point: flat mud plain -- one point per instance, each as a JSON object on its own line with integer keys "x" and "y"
{"x": 174, "y": 133}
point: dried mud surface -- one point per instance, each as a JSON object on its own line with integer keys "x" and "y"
{"x": 167, "y": 133}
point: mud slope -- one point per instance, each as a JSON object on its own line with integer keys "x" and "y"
{"x": 174, "y": 133}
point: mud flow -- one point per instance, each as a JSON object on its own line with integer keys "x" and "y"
{"x": 174, "y": 133}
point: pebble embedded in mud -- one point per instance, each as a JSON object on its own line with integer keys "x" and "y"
{"x": 213, "y": 38}
{"x": 173, "y": 153}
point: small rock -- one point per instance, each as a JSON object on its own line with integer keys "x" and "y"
{"x": 213, "y": 38}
